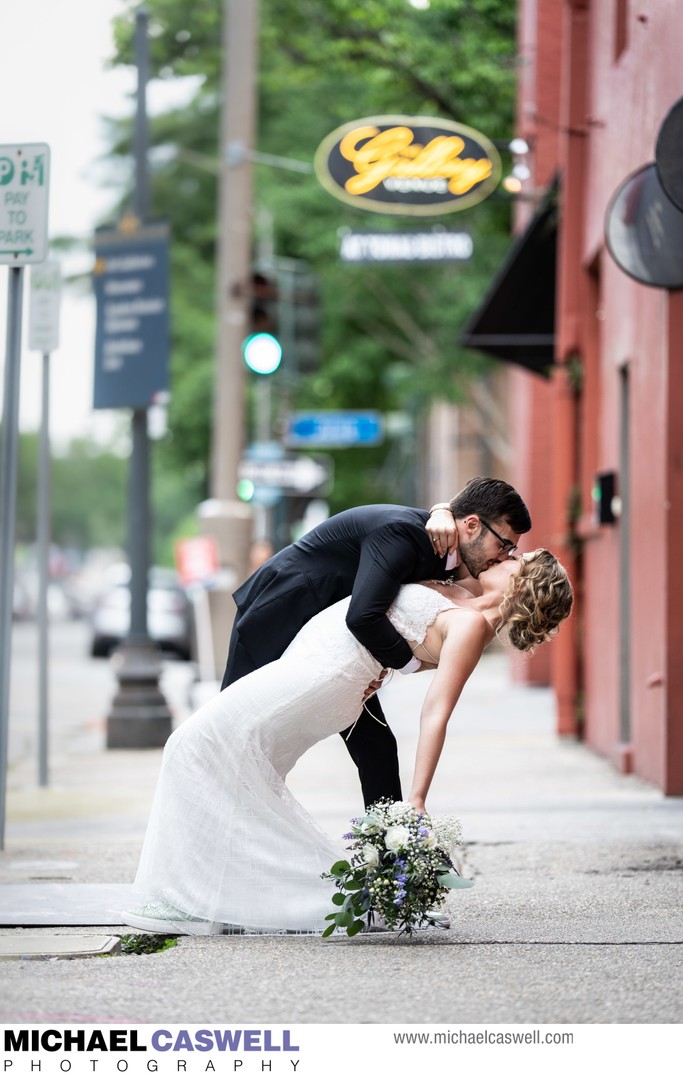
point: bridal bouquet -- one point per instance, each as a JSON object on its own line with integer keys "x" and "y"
{"x": 399, "y": 869}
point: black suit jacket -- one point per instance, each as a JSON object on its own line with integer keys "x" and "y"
{"x": 365, "y": 552}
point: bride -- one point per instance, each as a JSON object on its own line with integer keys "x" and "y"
{"x": 227, "y": 845}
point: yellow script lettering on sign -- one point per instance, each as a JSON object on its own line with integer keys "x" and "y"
{"x": 393, "y": 153}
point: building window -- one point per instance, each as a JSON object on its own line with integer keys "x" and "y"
{"x": 620, "y": 27}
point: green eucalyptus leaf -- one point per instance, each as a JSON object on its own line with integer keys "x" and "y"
{"x": 328, "y": 930}
{"x": 340, "y": 867}
{"x": 454, "y": 881}
{"x": 339, "y": 898}
{"x": 355, "y": 927}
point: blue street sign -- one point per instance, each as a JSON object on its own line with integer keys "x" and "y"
{"x": 131, "y": 290}
{"x": 334, "y": 429}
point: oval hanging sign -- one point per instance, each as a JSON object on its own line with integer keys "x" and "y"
{"x": 408, "y": 165}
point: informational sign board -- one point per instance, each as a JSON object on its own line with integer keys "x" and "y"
{"x": 437, "y": 246}
{"x": 196, "y": 559}
{"x": 131, "y": 280}
{"x": 24, "y": 194}
{"x": 334, "y": 429}
{"x": 44, "y": 306}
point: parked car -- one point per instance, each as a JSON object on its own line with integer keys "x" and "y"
{"x": 169, "y": 613}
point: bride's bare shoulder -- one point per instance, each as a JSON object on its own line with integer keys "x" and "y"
{"x": 463, "y": 621}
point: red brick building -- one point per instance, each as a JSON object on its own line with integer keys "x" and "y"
{"x": 597, "y": 80}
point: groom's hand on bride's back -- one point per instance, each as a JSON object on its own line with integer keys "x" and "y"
{"x": 374, "y": 685}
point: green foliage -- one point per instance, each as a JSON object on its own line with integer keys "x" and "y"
{"x": 90, "y": 490}
{"x": 88, "y": 495}
{"x": 389, "y": 332}
{"x": 143, "y": 944}
{"x": 397, "y": 871}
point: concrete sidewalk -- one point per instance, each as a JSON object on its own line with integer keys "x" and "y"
{"x": 576, "y": 915}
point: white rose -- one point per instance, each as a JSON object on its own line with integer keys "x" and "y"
{"x": 396, "y": 837}
{"x": 370, "y": 855}
{"x": 430, "y": 840}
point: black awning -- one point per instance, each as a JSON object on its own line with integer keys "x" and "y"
{"x": 515, "y": 321}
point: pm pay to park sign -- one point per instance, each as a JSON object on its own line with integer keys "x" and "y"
{"x": 24, "y": 188}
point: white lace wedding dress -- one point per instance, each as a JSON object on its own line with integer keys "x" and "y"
{"x": 226, "y": 840}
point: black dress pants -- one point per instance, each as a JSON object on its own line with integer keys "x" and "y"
{"x": 373, "y": 748}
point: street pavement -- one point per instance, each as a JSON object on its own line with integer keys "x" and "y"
{"x": 575, "y": 916}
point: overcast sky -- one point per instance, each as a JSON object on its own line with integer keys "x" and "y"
{"x": 54, "y": 88}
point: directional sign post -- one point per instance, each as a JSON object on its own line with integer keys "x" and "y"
{"x": 43, "y": 336}
{"x": 44, "y": 307}
{"x": 334, "y": 429}
{"x": 24, "y": 178}
{"x": 295, "y": 476}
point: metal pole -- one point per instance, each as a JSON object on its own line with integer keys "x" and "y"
{"x": 142, "y": 197}
{"x": 625, "y": 564}
{"x": 43, "y": 535}
{"x": 139, "y": 716}
{"x": 8, "y": 498}
{"x": 138, "y": 527}
{"x": 138, "y": 506}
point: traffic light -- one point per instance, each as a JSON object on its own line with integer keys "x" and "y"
{"x": 298, "y": 315}
{"x": 264, "y": 304}
{"x": 262, "y": 349}
{"x": 285, "y": 315}
{"x": 307, "y": 323}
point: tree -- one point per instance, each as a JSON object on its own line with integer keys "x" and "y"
{"x": 389, "y": 333}
{"x": 88, "y": 495}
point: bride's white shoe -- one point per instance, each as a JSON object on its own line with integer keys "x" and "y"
{"x": 379, "y": 926}
{"x": 161, "y": 918}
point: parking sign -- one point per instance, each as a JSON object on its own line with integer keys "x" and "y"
{"x": 24, "y": 190}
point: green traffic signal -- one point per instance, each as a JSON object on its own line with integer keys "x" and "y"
{"x": 262, "y": 353}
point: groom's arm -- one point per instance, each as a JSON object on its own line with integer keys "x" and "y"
{"x": 389, "y": 557}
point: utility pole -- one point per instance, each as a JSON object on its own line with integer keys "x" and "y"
{"x": 224, "y": 516}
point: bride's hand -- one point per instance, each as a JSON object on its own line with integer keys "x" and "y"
{"x": 374, "y": 686}
{"x": 418, "y": 804}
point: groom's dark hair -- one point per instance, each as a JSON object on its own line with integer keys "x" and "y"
{"x": 492, "y": 499}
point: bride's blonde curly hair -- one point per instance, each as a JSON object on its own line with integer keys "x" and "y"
{"x": 536, "y": 600}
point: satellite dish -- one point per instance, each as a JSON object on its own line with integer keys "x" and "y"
{"x": 644, "y": 231}
{"x": 669, "y": 155}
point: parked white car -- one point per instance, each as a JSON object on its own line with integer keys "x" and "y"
{"x": 169, "y": 613}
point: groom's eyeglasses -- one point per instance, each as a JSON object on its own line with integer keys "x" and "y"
{"x": 506, "y": 546}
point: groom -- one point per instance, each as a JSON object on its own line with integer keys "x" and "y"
{"x": 368, "y": 553}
